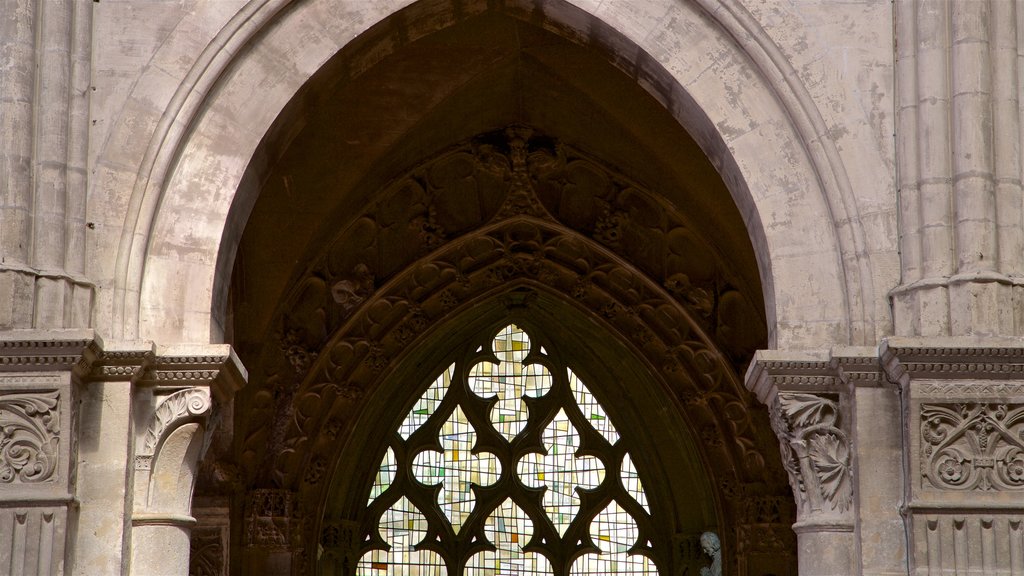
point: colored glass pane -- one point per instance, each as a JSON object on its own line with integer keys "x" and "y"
{"x": 509, "y": 380}
{"x": 402, "y": 526}
{"x": 456, "y": 468}
{"x": 385, "y": 475}
{"x": 615, "y": 532}
{"x": 561, "y": 471}
{"x": 427, "y": 404}
{"x": 509, "y": 529}
{"x": 591, "y": 410}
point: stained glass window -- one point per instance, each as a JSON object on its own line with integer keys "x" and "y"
{"x": 492, "y": 453}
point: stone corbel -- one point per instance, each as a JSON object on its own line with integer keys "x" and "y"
{"x": 808, "y": 402}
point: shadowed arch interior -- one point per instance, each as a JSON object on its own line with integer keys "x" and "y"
{"x": 399, "y": 206}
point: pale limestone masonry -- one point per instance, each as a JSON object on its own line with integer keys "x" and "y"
{"x": 871, "y": 150}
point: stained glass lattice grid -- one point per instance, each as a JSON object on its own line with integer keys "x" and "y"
{"x": 510, "y": 380}
{"x": 456, "y": 468}
{"x": 561, "y": 471}
{"x": 508, "y": 528}
{"x": 448, "y": 476}
{"x": 402, "y": 526}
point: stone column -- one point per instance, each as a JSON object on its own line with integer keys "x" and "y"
{"x": 959, "y": 161}
{"x": 963, "y": 401}
{"x": 174, "y": 417}
{"x": 811, "y": 415}
{"x": 44, "y": 102}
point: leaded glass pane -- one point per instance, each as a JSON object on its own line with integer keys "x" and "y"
{"x": 402, "y": 526}
{"x": 488, "y": 410}
{"x": 510, "y": 380}
{"x": 561, "y": 471}
{"x": 591, "y": 410}
{"x": 615, "y": 532}
{"x": 631, "y": 482}
{"x": 427, "y": 404}
{"x": 385, "y": 475}
{"x": 509, "y": 529}
{"x": 456, "y": 468}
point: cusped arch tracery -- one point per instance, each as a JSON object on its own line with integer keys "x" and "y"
{"x": 350, "y": 322}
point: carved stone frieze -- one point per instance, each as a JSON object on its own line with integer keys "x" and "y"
{"x": 815, "y": 451}
{"x": 29, "y": 436}
{"x": 973, "y": 446}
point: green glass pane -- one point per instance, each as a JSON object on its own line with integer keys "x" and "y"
{"x": 456, "y": 468}
{"x": 560, "y": 471}
{"x": 427, "y": 404}
{"x": 509, "y": 380}
{"x": 509, "y": 529}
{"x": 591, "y": 410}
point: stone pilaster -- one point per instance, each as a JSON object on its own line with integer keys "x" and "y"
{"x": 39, "y": 375}
{"x": 45, "y": 48}
{"x": 963, "y": 403}
{"x": 961, "y": 214}
{"x": 811, "y": 415}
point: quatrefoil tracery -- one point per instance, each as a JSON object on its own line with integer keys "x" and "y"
{"x": 467, "y": 440}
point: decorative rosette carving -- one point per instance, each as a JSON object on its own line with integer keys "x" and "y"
{"x": 29, "y": 437}
{"x": 973, "y": 446}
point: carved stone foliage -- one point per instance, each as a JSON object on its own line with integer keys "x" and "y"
{"x": 815, "y": 451}
{"x": 973, "y": 446}
{"x": 29, "y": 436}
{"x": 181, "y": 405}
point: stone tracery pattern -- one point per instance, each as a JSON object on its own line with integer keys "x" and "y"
{"x": 671, "y": 314}
{"x": 29, "y": 437}
{"x": 973, "y": 446}
{"x": 555, "y": 519}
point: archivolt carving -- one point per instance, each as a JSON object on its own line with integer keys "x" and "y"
{"x": 815, "y": 451}
{"x": 29, "y": 437}
{"x": 973, "y": 446}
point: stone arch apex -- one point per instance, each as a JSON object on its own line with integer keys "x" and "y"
{"x": 805, "y": 219}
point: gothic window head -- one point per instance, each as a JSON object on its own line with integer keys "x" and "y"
{"x": 507, "y": 464}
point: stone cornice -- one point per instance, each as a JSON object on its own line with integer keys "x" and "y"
{"x": 84, "y": 353}
{"x": 49, "y": 350}
{"x": 953, "y": 358}
{"x": 817, "y": 371}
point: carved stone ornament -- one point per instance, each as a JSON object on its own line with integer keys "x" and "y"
{"x": 206, "y": 552}
{"x": 815, "y": 452}
{"x": 29, "y": 437}
{"x": 271, "y": 519}
{"x": 181, "y": 405}
{"x": 973, "y": 446}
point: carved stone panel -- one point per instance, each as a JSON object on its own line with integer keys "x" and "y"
{"x": 973, "y": 446}
{"x": 35, "y": 431}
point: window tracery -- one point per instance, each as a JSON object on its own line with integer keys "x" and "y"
{"x": 507, "y": 464}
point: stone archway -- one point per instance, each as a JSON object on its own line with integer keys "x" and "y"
{"x": 686, "y": 299}
{"x": 395, "y": 278}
